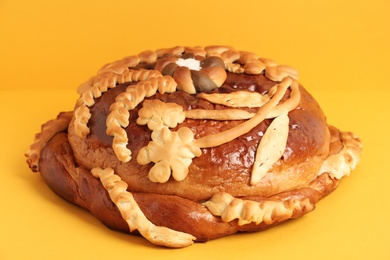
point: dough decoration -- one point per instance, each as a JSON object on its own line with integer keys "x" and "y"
{"x": 204, "y": 73}
{"x": 48, "y": 130}
{"x": 133, "y": 215}
{"x": 171, "y": 152}
{"x": 119, "y": 115}
{"x": 248, "y": 211}
{"x": 165, "y": 145}
{"x": 239, "y": 98}
{"x": 157, "y": 114}
{"x": 340, "y": 164}
{"x": 271, "y": 147}
{"x": 172, "y": 148}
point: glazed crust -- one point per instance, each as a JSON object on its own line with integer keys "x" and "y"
{"x": 191, "y": 144}
{"x": 76, "y": 185}
{"x": 230, "y": 163}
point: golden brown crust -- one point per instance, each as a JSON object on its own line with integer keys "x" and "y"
{"x": 57, "y": 169}
{"x": 227, "y": 177}
{"x": 217, "y": 140}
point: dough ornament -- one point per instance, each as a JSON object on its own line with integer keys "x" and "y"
{"x": 189, "y": 144}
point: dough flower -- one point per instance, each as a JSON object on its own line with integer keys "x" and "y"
{"x": 172, "y": 153}
{"x": 156, "y": 114}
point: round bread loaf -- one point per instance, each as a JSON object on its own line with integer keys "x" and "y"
{"x": 190, "y": 144}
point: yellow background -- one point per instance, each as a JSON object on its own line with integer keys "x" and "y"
{"x": 341, "y": 48}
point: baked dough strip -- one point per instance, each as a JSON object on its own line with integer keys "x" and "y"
{"x": 262, "y": 113}
{"x": 128, "y": 100}
{"x": 101, "y": 83}
{"x": 240, "y": 114}
{"x": 268, "y": 211}
{"x": 121, "y": 71}
{"x": 48, "y": 130}
{"x": 133, "y": 215}
{"x": 168, "y": 161}
{"x": 341, "y": 164}
{"x": 239, "y": 98}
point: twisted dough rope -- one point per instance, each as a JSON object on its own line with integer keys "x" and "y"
{"x": 48, "y": 130}
{"x": 103, "y": 82}
{"x": 194, "y": 74}
{"x": 118, "y": 118}
{"x": 244, "y": 62}
{"x": 108, "y": 77}
{"x": 133, "y": 215}
{"x": 111, "y": 74}
{"x": 118, "y": 72}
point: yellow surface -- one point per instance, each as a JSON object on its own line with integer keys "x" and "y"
{"x": 341, "y": 48}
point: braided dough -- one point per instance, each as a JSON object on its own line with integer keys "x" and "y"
{"x": 190, "y": 144}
